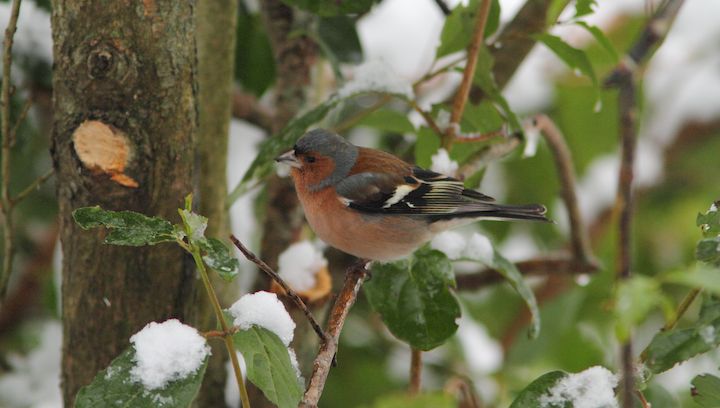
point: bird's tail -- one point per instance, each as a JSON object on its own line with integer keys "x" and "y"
{"x": 491, "y": 211}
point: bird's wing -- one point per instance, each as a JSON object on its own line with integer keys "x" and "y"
{"x": 422, "y": 192}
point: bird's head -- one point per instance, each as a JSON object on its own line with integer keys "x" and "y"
{"x": 320, "y": 159}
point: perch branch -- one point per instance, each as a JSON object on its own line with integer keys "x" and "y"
{"x": 274, "y": 276}
{"x": 472, "y": 56}
{"x": 321, "y": 367}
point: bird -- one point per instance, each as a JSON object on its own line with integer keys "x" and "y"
{"x": 377, "y": 207}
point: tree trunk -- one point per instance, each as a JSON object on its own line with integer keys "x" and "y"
{"x": 216, "y": 22}
{"x": 126, "y": 73}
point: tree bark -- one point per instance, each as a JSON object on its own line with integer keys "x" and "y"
{"x": 127, "y": 71}
{"x": 216, "y": 21}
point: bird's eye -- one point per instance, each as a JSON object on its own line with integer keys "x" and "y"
{"x": 310, "y": 159}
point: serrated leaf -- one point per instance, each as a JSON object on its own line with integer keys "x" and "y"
{"x": 268, "y": 366}
{"x": 340, "y": 37}
{"x": 254, "y": 61}
{"x": 674, "y": 346}
{"x": 195, "y": 225}
{"x": 126, "y": 227}
{"x": 572, "y": 57}
{"x": 113, "y": 387}
{"x": 709, "y": 222}
{"x": 601, "y": 39}
{"x": 414, "y": 299}
{"x": 584, "y": 7}
{"x": 706, "y": 391}
{"x": 328, "y": 8}
{"x": 388, "y": 120}
{"x": 218, "y": 257}
{"x": 531, "y": 395}
{"x": 510, "y": 272}
{"x": 635, "y": 298}
{"x": 434, "y": 400}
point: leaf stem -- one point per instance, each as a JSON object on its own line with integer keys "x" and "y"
{"x": 682, "y": 308}
{"x": 195, "y": 252}
{"x": 415, "y": 372}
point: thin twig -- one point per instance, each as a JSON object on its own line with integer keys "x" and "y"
{"x": 415, "y": 372}
{"x": 472, "y": 56}
{"x": 7, "y": 142}
{"x": 480, "y": 137}
{"x": 290, "y": 293}
{"x": 32, "y": 187}
{"x": 580, "y": 241}
{"x": 428, "y": 118}
{"x": 682, "y": 308}
{"x": 354, "y": 119}
{"x": 533, "y": 267}
{"x": 443, "y": 7}
{"x": 433, "y": 73}
{"x": 324, "y": 360}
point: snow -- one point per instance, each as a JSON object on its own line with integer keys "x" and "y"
{"x": 441, "y": 163}
{"x": 713, "y": 208}
{"x": 532, "y": 137}
{"x": 479, "y": 249}
{"x": 232, "y": 392}
{"x": 165, "y": 352}
{"x": 450, "y": 243}
{"x": 34, "y": 379}
{"x": 483, "y": 354}
{"x": 299, "y": 264}
{"x": 592, "y": 388}
{"x": 265, "y": 310}
{"x": 708, "y": 335}
{"x": 375, "y": 76}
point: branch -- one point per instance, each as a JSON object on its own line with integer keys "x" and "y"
{"x": 7, "y": 142}
{"x": 472, "y": 56}
{"x": 32, "y": 187}
{"x": 248, "y": 108}
{"x": 564, "y": 165}
{"x": 321, "y": 367}
{"x": 532, "y": 267}
{"x": 273, "y": 275}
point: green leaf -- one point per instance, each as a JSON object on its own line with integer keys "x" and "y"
{"x": 195, "y": 225}
{"x": 427, "y": 144}
{"x": 340, "y": 37}
{"x": 485, "y": 79}
{"x": 414, "y": 299}
{"x": 532, "y": 394}
{"x": 388, "y": 120}
{"x": 584, "y": 7}
{"x": 635, "y": 298}
{"x": 268, "y": 366}
{"x": 218, "y": 257}
{"x": 434, "y": 400}
{"x": 706, "y": 391}
{"x": 572, "y": 57}
{"x": 460, "y": 26}
{"x": 329, "y": 8}
{"x": 113, "y": 387}
{"x": 708, "y": 250}
{"x": 510, "y": 272}
{"x": 601, "y": 39}
{"x": 709, "y": 222}
{"x": 126, "y": 227}
{"x": 674, "y": 346}
{"x": 700, "y": 277}
{"x": 254, "y": 61}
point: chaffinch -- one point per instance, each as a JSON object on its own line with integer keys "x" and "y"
{"x": 375, "y": 206}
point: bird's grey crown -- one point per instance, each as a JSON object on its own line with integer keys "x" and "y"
{"x": 329, "y": 144}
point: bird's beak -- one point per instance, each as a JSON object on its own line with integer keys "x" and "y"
{"x": 289, "y": 158}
